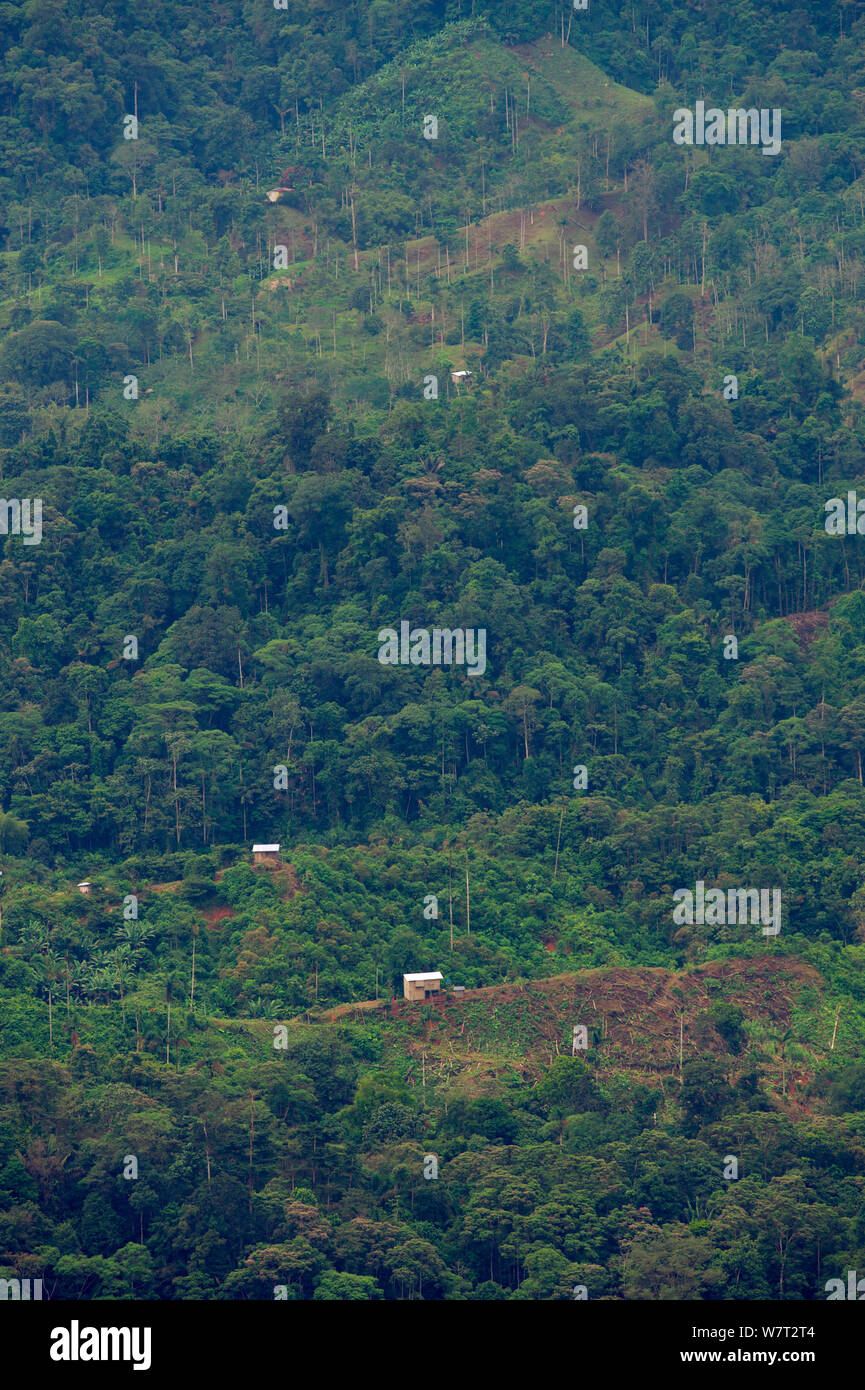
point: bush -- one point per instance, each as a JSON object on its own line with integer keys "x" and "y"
{"x": 847, "y": 1091}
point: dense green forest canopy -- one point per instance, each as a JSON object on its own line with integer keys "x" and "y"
{"x": 254, "y": 452}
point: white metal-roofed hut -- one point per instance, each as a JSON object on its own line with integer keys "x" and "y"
{"x": 422, "y": 986}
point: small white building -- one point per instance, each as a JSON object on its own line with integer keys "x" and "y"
{"x": 265, "y": 854}
{"x": 86, "y": 887}
{"x": 461, "y": 378}
{"x": 416, "y": 988}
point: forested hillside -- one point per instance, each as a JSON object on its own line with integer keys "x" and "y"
{"x": 320, "y": 324}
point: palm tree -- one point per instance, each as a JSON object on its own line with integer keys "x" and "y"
{"x": 168, "y": 989}
{"x": 123, "y": 958}
{"x": 49, "y": 969}
{"x": 135, "y": 936}
{"x": 195, "y": 930}
{"x": 263, "y": 1008}
{"x": 102, "y": 981}
{"x": 33, "y": 937}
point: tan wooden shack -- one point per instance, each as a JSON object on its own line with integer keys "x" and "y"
{"x": 266, "y": 854}
{"x": 417, "y": 988}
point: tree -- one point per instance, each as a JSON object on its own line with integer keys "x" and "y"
{"x": 417, "y": 1269}
{"x": 727, "y": 1020}
{"x": 670, "y": 1264}
{"x": 346, "y": 1288}
{"x": 511, "y": 262}
{"x": 706, "y": 1093}
{"x": 608, "y": 233}
{"x": 568, "y": 1087}
{"x": 14, "y": 414}
{"x": 14, "y": 834}
{"x": 847, "y": 1091}
{"x": 303, "y": 417}
{"x": 576, "y": 336}
{"x": 677, "y": 318}
{"x": 39, "y": 354}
